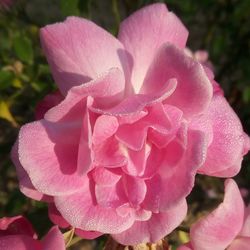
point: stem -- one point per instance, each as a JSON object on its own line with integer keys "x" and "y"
{"x": 74, "y": 241}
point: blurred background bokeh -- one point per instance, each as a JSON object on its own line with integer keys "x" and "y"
{"x": 222, "y": 27}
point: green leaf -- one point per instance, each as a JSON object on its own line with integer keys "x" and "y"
{"x": 246, "y": 95}
{"x": 6, "y": 114}
{"x": 23, "y": 48}
{"x": 5, "y": 79}
{"x": 69, "y": 7}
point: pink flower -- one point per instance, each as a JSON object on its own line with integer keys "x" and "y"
{"x": 137, "y": 118}
{"x": 227, "y": 227}
{"x": 6, "y": 4}
{"x": 201, "y": 56}
{"x": 18, "y": 234}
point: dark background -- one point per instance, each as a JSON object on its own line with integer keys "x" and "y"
{"x": 222, "y": 27}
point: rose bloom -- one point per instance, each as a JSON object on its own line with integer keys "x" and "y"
{"x": 116, "y": 150}
{"x": 6, "y": 4}
{"x": 227, "y": 227}
{"x": 17, "y": 233}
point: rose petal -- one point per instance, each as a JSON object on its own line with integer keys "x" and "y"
{"x": 56, "y": 217}
{"x": 16, "y": 225}
{"x": 56, "y": 171}
{"x": 227, "y": 147}
{"x": 154, "y": 229}
{"x": 105, "y": 91}
{"x": 78, "y": 51}
{"x": 135, "y": 189}
{"x": 218, "y": 229}
{"x": 240, "y": 243}
{"x": 25, "y": 184}
{"x": 53, "y": 240}
{"x": 194, "y": 90}
{"x": 245, "y": 231}
{"x": 175, "y": 178}
{"x": 19, "y": 242}
{"x": 47, "y": 103}
{"x": 87, "y": 234}
{"x": 144, "y": 32}
{"x": 82, "y": 211}
{"x": 187, "y": 246}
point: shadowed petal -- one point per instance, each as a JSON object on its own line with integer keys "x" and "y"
{"x": 78, "y": 51}
{"x": 144, "y": 32}
{"x": 194, "y": 90}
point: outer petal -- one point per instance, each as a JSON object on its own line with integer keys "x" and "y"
{"x": 226, "y": 150}
{"x": 155, "y": 228}
{"x": 25, "y": 184}
{"x": 194, "y": 90}
{"x": 82, "y": 211}
{"x": 240, "y": 243}
{"x": 53, "y": 240}
{"x": 16, "y": 225}
{"x": 144, "y": 32}
{"x": 105, "y": 91}
{"x": 47, "y": 103}
{"x": 48, "y": 153}
{"x": 56, "y": 217}
{"x": 78, "y": 51}
{"x": 19, "y": 242}
{"x": 217, "y": 230}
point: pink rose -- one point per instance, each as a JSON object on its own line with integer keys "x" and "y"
{"x": 227, "y": 227}
{"x": 137, "y": 119}
{"x": 18, "y": 234}
{"x": 6, "y": 4}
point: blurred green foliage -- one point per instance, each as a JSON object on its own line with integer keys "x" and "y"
{"x": 222, "y": 27}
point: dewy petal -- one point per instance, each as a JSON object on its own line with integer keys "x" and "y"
{"x": 56, "y": 217}
{"x": 48, "y": 153}
{"x": 81, "y": 211}
{"x": 110, "y": 196}
{"x": 225, "y": 153}
{"x": 154, "y": 229}
{"x": 136, "y": 103}
{"x": 25, "y": 184}
{"x": 144, "y": 32}
{"x": 135, "y": 189}
{"x": 105, "y": 177}
{"x": 105, "y": 91}
{"x": 78, "y": 51}
{"x": 105, "y": 126}
{"x": 53, "y": 240}
{"x": 175, "y": 178}
{"x": 218, "y": 229}
{"x": 194, "y": 90}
